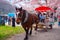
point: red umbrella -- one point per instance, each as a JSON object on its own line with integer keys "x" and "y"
{"x": 43, "y": 9}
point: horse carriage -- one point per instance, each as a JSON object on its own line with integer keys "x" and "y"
{"x": 27, "y": 20}
{"x": 41, "y": 26}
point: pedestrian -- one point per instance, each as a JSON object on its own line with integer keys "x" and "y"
{"x": 47, "y": 23}
{"x": 39, "y": 13}
{"x": 13, "y": 22}
{"x": 13, "y": 19}
{"x": 59, "y": 19}
{"x": 51, "y": 20}
{"x": 59, "y": 22}
{"x": 12, "y": 16}
{"x": 3, "y": 22}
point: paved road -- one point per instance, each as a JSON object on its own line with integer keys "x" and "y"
{"x": 53, "y": 34}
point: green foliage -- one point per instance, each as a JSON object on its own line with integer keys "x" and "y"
{"x": 7, "y": 31}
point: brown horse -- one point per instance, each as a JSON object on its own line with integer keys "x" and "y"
{"x": 27, "y": 19}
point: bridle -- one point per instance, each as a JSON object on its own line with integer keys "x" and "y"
{"x": 20, "y": 14}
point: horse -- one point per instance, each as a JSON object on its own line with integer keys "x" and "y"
{"x": 27, "y": 19}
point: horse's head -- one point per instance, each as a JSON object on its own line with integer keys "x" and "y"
{"x": 19, "y": 15}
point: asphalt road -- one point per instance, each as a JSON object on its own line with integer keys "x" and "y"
{"x": 53, "y": 34}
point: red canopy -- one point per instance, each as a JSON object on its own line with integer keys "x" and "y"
{"x": 43, "y": 9}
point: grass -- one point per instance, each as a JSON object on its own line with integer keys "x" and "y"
{"x": 7, "y": 31}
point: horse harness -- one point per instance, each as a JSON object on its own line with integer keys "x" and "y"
{"x": 25, "y": 17}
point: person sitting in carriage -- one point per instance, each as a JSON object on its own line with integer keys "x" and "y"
{"x": 42, "y": 17}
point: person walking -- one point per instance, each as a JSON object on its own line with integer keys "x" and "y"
{"x": 46, "y": 22}
{"x": 58, "y": 16}
{"x": 12, "y": 15}
{"x": 51, "y": 20}
{"x": 13, "y": 22}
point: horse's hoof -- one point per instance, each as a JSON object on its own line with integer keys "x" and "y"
{"x": 51, "y": 28}
{"x": 25, "y": 38}
{"x": 46, "y": 30}
{"x": 30, "y": 33}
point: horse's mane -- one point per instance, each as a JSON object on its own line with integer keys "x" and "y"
{"x": 25, "y": 11}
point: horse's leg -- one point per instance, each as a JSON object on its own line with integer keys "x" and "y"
{"x": 36, "y": 27}
{"x": 46, "y": 28}
{"x": 26, "y": 37}
{"x": 50, "y": 26}
{"x": 31, "y": 30}
{"x": 37, "y": 21}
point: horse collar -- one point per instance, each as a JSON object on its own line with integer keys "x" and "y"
{"x": 26, "y": 18}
